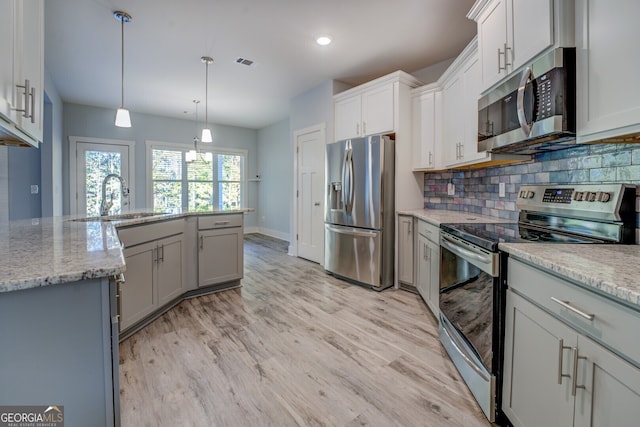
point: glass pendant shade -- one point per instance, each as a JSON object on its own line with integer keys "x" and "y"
{"x": 123, "y": 119}
{"x": 206, "y": 135}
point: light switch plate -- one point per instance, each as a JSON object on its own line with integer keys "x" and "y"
{"x": 451, "y": 189}
{"x": 501, "y": 189}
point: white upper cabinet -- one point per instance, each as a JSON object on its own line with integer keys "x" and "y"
{"x": 7, "y": 32}
{"x": 427, "y": 126}
{"x": 608, "y": 58}
{"x": 348, "y": 117}
{"x": 371, "y": 108}
{"x": 460, "y": 99}
{"x": 22, "y": 69}
{"x": 512, "y": 32}
{"x": 369, "y": 113}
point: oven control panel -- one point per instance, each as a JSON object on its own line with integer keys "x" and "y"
{"x": 583, "y": 200}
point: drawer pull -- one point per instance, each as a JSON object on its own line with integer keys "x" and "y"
{"x": 222, "y": 222}
{"x": 569, "y": 307}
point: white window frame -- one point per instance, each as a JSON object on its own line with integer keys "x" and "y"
{"x": 73, "y": 148}
{"x": 159, "y": 145}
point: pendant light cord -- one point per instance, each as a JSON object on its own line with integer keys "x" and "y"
{"x": 122, "y": 61}
{"x": 206, "y": 95}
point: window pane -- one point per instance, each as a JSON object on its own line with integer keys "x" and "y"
{"x": 167, "y": 196}
{"x": 229, "y": 195}
{"x": 98, "y": 165}
{"x": 229, "y": 167}
{"x": 166, "y": 165}
{"x": 200, "y": 196}
{"x": 199, "y": 170}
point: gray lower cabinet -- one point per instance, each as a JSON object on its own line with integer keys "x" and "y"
{"x": 155, "y": 276}
{"x": 428, "y": 264}
{"x": 405, "y": 250}
{"x": 556, "y": 372}
{"x": 60, "y": 347}
{"x": 220, "y": 249}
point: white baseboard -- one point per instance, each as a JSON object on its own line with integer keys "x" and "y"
{"x": 268, "y": 232}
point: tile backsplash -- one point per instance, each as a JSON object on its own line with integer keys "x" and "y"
{"x": 477, "y": 190}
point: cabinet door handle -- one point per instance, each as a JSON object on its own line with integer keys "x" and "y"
{"x": 568, "y": 306}
{"x": 499, "y": 67}
{"x": 364, "y": 127}
{"x": 27, "y": 90}
{"x": 161, "y": 253}
{"x": 430, "y": 158}
{"x": 357, "y": 129}
{"x": 33, "y": 105}
{"x": 575, "y": 385}
{"x": 561, "y": 348}
{"x": 154, "y": 254}
{"x": 201, "y": 242}
{"x": 506, "y": 61}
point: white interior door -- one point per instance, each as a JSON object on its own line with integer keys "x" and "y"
{"x": 93, "y": 162}
{"x": 310, "y": 148}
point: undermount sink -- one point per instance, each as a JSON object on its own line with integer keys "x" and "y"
{"x": 119, "y": 217}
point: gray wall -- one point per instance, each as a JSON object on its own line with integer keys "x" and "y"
{"x": 433, "y": 72}
{"x": 96, "y": 122}
{"x": 51, "y": 151}
{"x": 275, "y": 166}
{"x": 24, "y": 171}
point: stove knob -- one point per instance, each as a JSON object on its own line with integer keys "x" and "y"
{"x": 604, "y": 197}
{"x": 530, "y": 194}
{"x": 590, "y": 196}
{"x": 578, "y": 196}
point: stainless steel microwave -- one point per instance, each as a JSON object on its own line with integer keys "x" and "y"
{"x": 534, "y": 110}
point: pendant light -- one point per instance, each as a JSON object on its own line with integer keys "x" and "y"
{"x": 192, "y": 155}
{"x": 206, "y": 132}
{"x": 123, "y": 119}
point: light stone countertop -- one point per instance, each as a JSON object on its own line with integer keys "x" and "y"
{"x": 611, "y": 269}
{"x": 437, "y": 216}
{"x": 50, "y": 251}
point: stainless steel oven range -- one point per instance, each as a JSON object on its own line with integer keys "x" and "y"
{"x": 473, "y": 270}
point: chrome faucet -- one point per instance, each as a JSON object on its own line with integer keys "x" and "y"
{"x": 104, "y": 205}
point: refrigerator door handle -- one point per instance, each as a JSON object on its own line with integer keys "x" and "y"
{"x": 351, "y": 232}
{"x": 347, "y": 179}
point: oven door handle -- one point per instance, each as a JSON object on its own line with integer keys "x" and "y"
{"x": 454, "y": 340}
{"x": 465, "y": 253}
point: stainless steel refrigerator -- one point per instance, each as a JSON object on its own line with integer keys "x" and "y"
{"x": 359, "y": 210}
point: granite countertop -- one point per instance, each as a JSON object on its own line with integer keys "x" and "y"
{"x": 437, "y": 216}
{"x": 611, "y": 269}
{"x": 50, "y": 251}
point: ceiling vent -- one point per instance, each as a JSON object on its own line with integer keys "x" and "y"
{"x": 245, "y": 61}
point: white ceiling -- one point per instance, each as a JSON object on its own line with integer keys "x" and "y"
{"x": 166, "y": 39}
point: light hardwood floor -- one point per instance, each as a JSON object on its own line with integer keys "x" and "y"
{"x": 293, "y": 346}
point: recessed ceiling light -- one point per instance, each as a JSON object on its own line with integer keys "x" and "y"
{"x": 323, "y": 41}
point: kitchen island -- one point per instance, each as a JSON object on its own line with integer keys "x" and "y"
{"x": 59, "y": 317}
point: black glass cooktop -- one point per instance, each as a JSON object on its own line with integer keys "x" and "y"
{"x": 489, "y": 235}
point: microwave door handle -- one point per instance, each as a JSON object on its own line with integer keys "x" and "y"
{"x": 526, "y": 76}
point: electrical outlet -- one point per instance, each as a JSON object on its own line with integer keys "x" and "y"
{"x": 451, "y": 189}
{"x": 501, "y": 189}
{"x": 34, "y": 189}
